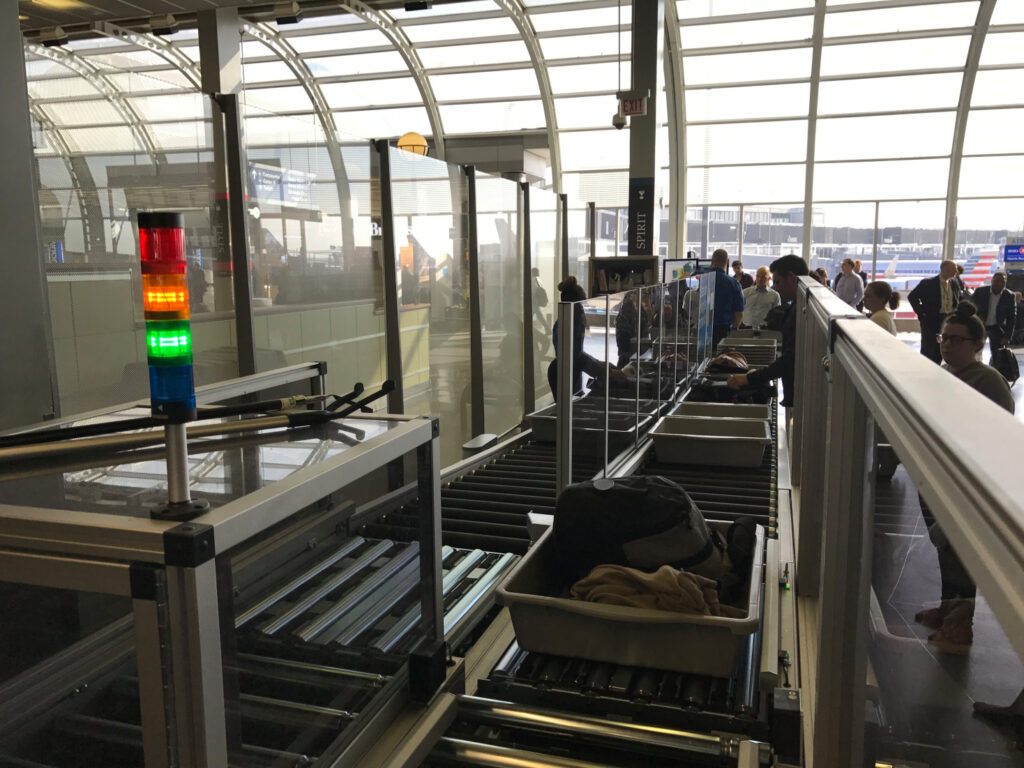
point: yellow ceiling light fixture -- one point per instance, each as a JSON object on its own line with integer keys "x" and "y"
{"x": 413, "y": 142}
{"x": 59, "y": 5}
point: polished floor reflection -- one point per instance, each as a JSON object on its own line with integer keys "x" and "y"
{"x": 926, "y": 694}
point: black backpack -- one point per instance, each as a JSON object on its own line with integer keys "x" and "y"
{"x": 644, "y": 522}
{"x": 1004, "y": 361}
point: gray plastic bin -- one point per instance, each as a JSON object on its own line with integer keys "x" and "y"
{"x": 587, "y": 427}
{"x": 726, "y": 410}
{"x": 547, "y": 621}
{"x": 705, "y": 440}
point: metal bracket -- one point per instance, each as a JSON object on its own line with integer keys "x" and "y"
{"x": 833, "y": 333}
{"x": 188, "y": 545}
{"x": 142, "y": 578}
{"x": 826, "y": 364}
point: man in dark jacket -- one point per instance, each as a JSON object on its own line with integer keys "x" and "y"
{"x": 997, "y": 310}
{"x": 932, "y": 299}
{"x": 786, "y": 273}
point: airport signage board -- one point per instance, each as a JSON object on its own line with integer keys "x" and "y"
{"x": 1014, "y": 249}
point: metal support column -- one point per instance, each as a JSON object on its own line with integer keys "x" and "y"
{"x": 644, "y": 154}
{"x": 529, "y": 343}
{"x": 874, "y": 244}
{"x": 739, "y": 236}
{"x": 221, "y": 72}
{"x": 476, "y": 336}
{"x": 196, "y": 666}
{"x": 389, "y": 270}
{"x": 808, "y": 465}
{"x": 149, "y": 622}
{"x": 956, "y": 156}
{"x": 592, "y": 228}
{"x": 846, "y": 583}
{"x": 428, "y": 459}
{"x": 563, "y": 208}
{"x": 563, "y": 405}
{"x": 30, "y": 395}
{"x": 818, "y": 34}
{"x": 238, "y": 215}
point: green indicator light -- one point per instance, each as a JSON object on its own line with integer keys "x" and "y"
{"x": 168, "y": 341}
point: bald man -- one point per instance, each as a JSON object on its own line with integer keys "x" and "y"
{"x": 932, "y": 299}
{"x": 759, "y": 299}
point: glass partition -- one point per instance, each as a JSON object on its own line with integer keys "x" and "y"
{"x": 111, "y": 141}
{"x": 317, "y": 289}
{"x": 594, "y": 437}
{"x": 501, "y": 301}
{"x": 429, "y": 199}
{"x": 544, "y": 252}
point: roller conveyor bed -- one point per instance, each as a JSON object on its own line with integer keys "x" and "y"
{"x": 487, "y": 507}
{"x": 725, "y": 493}
{"x": 315, "y": 651}
{"x": 312, "y": 656}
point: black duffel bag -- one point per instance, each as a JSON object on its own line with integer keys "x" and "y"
{"x": 644, "y": 522}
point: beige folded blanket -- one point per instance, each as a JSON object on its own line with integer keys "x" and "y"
{"x": 667, "y": 589}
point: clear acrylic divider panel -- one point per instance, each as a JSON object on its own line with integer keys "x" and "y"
{"x": 596, "y": 355}
{"x": 429, "y": 199}
{"x": 938, "y": 658}
{"x": 96, "y": 173}
{"x": 316, "y": 281}
{"x": 501, "y": 301}
{"x": 545, "y": 250}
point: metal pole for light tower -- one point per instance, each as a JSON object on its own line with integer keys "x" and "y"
{"x": 165, "y": 300}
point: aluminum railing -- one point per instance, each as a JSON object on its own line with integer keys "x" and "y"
{"x": 957, "y": 447}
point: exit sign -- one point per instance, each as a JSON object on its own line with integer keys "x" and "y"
{"x": 633, "y": 107}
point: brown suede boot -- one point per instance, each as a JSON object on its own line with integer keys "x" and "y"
{"x": 933, "y": 617}
{"x": 957, "y": 631}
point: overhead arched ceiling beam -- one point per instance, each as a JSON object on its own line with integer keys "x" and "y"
{"x": 517, "y": 12}
{"x": 397, "y": 37}
{"x": 78, "y": 172}
{"x": 960, "y": 128}
{"x": 154, "y": 44}
{"x": 99, "y": 80}
{"x": 675, "y": 101}
{"x": 269, "y": 37}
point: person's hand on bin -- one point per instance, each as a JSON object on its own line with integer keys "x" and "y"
{"x": 736, "y": 381}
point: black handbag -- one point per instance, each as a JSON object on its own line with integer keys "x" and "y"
{"x": 643, "y": 522}
{"x": 1004, "y": 361}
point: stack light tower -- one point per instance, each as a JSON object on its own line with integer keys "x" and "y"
{"x": 165, "y": 300}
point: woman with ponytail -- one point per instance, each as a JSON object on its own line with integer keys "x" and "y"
{"x": 877, "y": 296}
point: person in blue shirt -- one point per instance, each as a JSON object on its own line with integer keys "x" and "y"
{"x": 728, "y": 298}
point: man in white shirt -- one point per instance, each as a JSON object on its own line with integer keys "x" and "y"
{"x": 849, "y": 286}
{"x": 759, "y": 298}
{"x": 997, "y": 310}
